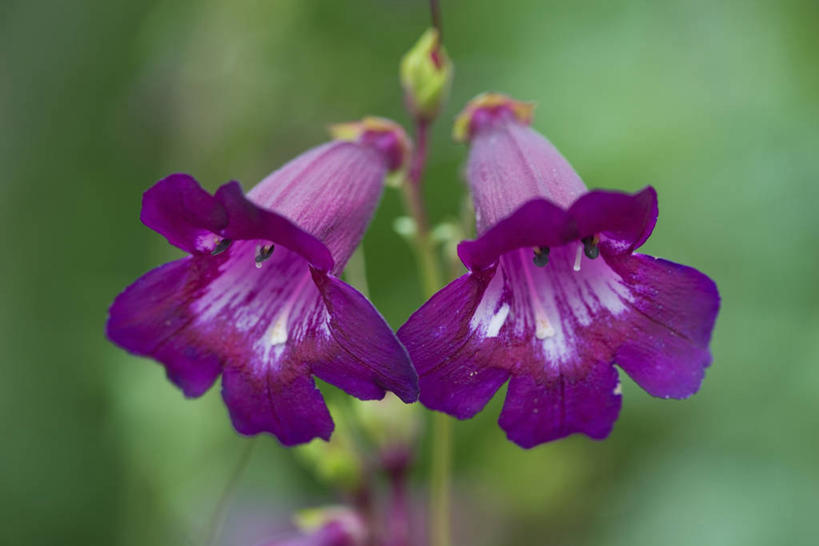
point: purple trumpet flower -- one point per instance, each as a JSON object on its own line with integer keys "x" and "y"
{"x": 555, "y": 295}
{"x": 259, "y": 301}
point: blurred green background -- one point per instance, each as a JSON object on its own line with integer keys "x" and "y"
{"x": 714, "y": 103}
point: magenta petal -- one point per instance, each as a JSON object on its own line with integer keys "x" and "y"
{"x": 267, "y": 329}
{"x": 565, "y": 300}
{"x": 255, "y": 300}
{"x": 249, "y": 221}
{"x": 284, "y": 402}
{"x": 558, "y": 331}
{"x": 150, "y": 318}
{"x": 188, "y": 216}
{"x": 362, "y": 356}
{"x": 455, "y": 365}
{"x": 536, "y": 223}
{"x": 665, "y": 338}
{"x": 510, "y": 164}
{"x": 624, "y": 220}
{"x": 540, "y": 410}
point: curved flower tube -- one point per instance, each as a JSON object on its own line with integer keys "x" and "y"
{"x": 555, "y": 295}
{"x": 258, "y": 299}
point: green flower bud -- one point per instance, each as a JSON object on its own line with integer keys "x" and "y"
{"x": 348, "y": 526}
{"x": 388, "y": 422}
{"x": 337, "y": 461}
{"x": 426, "y": 74}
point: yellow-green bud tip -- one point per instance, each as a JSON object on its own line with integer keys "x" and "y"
{"x": 381, "y": 133}
{"x": 488, "y": 105}
{"x": 312, "y": 520}
{"x": 426, "y": 74}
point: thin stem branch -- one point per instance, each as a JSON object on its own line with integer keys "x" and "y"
{"x": 428, "y": 266}
{"x": 362, "y": 500}
{"x": 419, "y": 158}
{"x": 435, "y": 10}
{"x": 440, "y": 480}
{"x": 429, "y": 269}
{"x": 399, "y": 519}
{"x": 216, "y": 520}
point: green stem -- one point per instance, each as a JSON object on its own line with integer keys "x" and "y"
{"x": 439, "y": 479}
{"x": 430, "y": 271}
{"x": 435, "y": 11}
{"x": 428, "y": 266}
{"x": 216, "y": 520}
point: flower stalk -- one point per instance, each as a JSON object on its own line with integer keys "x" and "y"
{"x": 428, "y": 266}
{"x": 440, "y": 480}
{"x": 214, "y": 531}
{"x": 435, "y": 12}
{"x": 429, "y": 270}
{"x": 426, "y": 74}
{"x": 396, "y": 463}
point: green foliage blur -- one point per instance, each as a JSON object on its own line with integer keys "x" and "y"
{"x": 715, "y": 103}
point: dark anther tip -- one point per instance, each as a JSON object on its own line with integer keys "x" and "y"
{"x": 221, "y": 246}
{"x": 264, "y": 253}
{"x": 590, "y": 248}
{"x": 541, "y": 256}
{"x": 591, "y": 252}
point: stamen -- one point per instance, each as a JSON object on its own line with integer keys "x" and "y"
{"x": 264, "y": 252}
{"x": 577, "y": 258}
{"x": 541, "y": 256}
{"x": 590, "y": 247}
{"x": 221, "y": 246}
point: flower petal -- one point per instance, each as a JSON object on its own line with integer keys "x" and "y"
{"x": 510, "y": 164}
{"x": 539, "y": 409}
{"x": 330, "y": 192}
{"x": 626, "y": 221}
{"x": 188, "y": 216}
{"x": 249, "y": 221}
{"x": 204, "y": 313}
{"x": 536, "y": 223}
{"x": 665, "y": 335}
{"x": 458, "y": 368}
{"x": 562, "y": 327}
{"x": 261, "y": 321}
{"x": 149, "y": 319}
{"x": 267, "y": 326}
{"x": 284, "y": 402}
{"x": 361, "y": 356}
